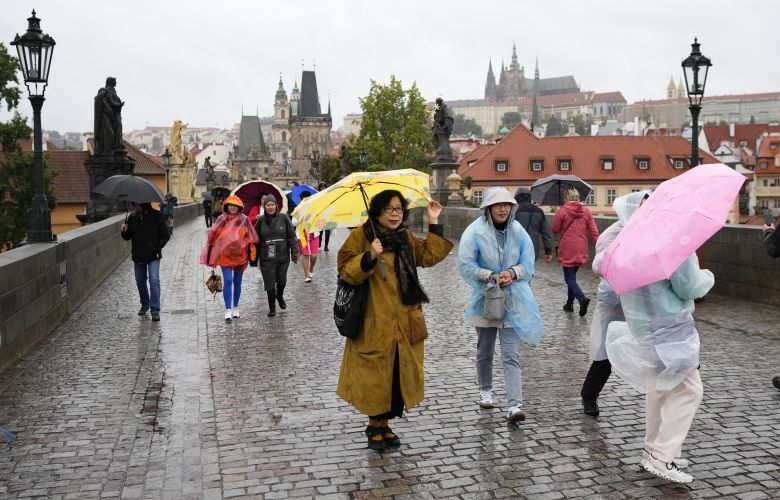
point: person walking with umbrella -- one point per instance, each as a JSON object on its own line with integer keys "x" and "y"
{"x": 574, "y": 223}
{"x": 533, "y": 220}
{"x": 326, "y": 233}
{"x": 311, "y": 250}
{"x": 382, "y": 370}
{"x": 228, "y": 246}
{"x": 207, "y": 213}
{"x": 148, "y": 233}
{"x": 496, "y": 259}
{"x": 278, "y": 246}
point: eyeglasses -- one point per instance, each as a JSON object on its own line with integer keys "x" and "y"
{"x": 390, "y": 210}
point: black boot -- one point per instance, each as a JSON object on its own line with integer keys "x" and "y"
{"x": 271, "y": 303}
{"x": 584, "y": 306}
{"x": 568, "y": 306}
{"x": 280, "y": 297}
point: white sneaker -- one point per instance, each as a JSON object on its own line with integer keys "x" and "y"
{"x": 669, "y": 471}
{"x": 680, "y": 462}
{"x": 307, "y": 279}
{"x": 228, "y": 315}
{"x": 515, "y": 414}
{"x": 236, "y": 314}
{"x": 486, "y": 399}
{"x": 311, "y": 274}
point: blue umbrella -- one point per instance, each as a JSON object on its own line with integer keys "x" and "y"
{"x": 297, "y": 191}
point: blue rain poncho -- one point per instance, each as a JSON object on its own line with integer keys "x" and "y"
{"x": 608, "y": 307}
{"x": 658, "y": 345}
{"x": 480, "y": 254}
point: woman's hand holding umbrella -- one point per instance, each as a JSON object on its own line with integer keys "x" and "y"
{"x": 376, "y": 248}
{"x": 434, "y": 209}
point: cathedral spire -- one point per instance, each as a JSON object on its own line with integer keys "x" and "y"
{"x": 490, "y": 84}
{"x": 536, "y": 71}
{"x": 515, "y": 65}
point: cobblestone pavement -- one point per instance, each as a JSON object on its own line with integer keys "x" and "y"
{"x": 113, "y": 405}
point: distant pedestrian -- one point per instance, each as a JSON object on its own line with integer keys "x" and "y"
{"x": 608, "y": 308}
{"x": 207, "y": 213}
{"x": 290, "y": 203}
{"x": 148, "y": 234}
{"x": 382, "y": 370}
{"x": 534, "y": 222}
{"x": 228, "y": 247}
{"x": 278, "y": 246}
{"x": 772, "y": 244}
{"x": 310, "y": 251}
{"x": 574, "y": 222}
{"x": 168, "y": 210}
{"x": 326, "y": 233}
{"x": 496, "y": 259}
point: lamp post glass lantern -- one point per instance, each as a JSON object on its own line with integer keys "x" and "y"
{"x": 694, "y": 86}
{"x": 167, "y": 164}
{"x": 363, "y": 158}
{"x": 35, "y": 50}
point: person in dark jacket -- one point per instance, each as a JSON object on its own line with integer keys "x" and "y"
{"x": 148, "y": 233}
{"x": 207, "y": 213}
{"x": 326, "y": 233}
{"x": 278, "y": 246}
{"x": 772, "y": 245}
{"x": 534, "y": 222}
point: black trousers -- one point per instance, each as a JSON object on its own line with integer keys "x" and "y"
{"x": 595, "y": 379}
{"x": 397, "y": 399}
{"x": 325, "y": 236}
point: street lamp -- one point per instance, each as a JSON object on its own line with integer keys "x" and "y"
{"x": 35, "y": 49}
{"x": 363, "y": 158}
{"x": 691, "y": 66}
{"x": 167, "y": 164}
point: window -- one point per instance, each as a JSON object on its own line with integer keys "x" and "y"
{"x": 591, "y": 199}
{"x": 763, "y": 203}
{"x": 282, "y": 113}
{"x": 743, "y": 143}
{"x": 763, "y": 165}
{"x": 679, "y": 164}
{"x": 777, "y": 202}
{"x": 477, "y": 195}
{"x": 608, "y": 164}
{"x": 537, "y": 165}
{"x": 284, "y": 136}
{"x": 773, "y": 145}
{"x": 643, "y": 163}
{"x": 611, "y": 195}
{"x": 635, "y": 190}
{"x": 766, "y": 182}
{"x": 564, "y": 164}
{"x": 501, "y": 165}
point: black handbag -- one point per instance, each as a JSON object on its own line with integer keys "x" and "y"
{"x": 349, "y": 308}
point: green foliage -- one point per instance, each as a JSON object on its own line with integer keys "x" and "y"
{"x": 468, "y": 181}
{"x": 8, "y": 67}
{"x": 466, "y": 127}
{"x": 13, "y": 131}
{"x": 330, "y": 169}
{"x": 511, "y": 119}
{"x": 395, "y": 130}
{"x": 581, "y": 124}
{"x": 554, "y": 128}
{"x": 16, "y": 193}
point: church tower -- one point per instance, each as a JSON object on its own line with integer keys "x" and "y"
{"x": 671, "y": 89}
{"x": 490, "y": 85}
{"x": 280, "y": 129}
{"x": 536, "y": 122}
{"x": 309, "y": 128}
{"x": 681, "y": 92}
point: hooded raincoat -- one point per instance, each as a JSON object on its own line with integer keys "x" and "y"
{"x": 574, "y": 222}
{"x": 480, "y": 255}
{"x": 229, "y": 239}
{"x": 658, "y": 345}
{"x": 608, "y": 307}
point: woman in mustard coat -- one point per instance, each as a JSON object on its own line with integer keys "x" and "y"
{"x": 382, "y": 370}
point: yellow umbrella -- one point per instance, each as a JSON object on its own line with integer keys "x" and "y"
{"x": 345, "y": 203}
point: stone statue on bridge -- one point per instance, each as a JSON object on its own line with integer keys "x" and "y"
{"x": 443, "y": 121}
{"x": 108, "y": 119}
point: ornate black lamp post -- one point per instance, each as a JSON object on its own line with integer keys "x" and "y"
{"x": 363, "y": 158}
{"x": 694, "y": 85}
{"x": 167, "y": 164}
{"x": 35, "y": 49}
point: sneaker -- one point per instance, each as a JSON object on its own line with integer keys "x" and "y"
{"x": 311, "y": 274}
{"x": 568, "y": 307}
{"x": 307, "y": 279}
{"x": 143, "y": 311}
{"x": 590, "y": 408}
{"x": 669, "y": 471}
{"x": 515, "y": 414}
{"x": 680, "y": 462}
{"x": 486, "y": 399}
{"x": 228, "y": 315}
{"x": 236, "y": 314}
{"x": 155, "y": 315}
{"x": 584, "y": 306}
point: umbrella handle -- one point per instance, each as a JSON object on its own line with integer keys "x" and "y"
{"x": 382, "y": 269}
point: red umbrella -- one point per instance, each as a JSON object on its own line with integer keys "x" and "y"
{"x": 252, "y": 192}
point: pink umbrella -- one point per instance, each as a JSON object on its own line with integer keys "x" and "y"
{"x": 680, "y": 215}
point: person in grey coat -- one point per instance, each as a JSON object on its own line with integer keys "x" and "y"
{"x": 534, "y": 222}
{"x": 277, "y": 247}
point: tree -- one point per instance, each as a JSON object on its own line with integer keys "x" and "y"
{"x": 330, "y": 169}
{"x": 16, "y": 167}
{"x": 395, "y": 130}
{"x": 554, "y": 127}
{"x": 466, "y": 127}
{"x": 511, "y": 119}
{"x": 582, "y": 124}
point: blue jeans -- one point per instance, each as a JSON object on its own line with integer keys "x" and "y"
{"x": 575, "y": 292}
{"x": 510, "y": 357}
{"x": 231, "y": 287}
{"x": 152, "y": 271}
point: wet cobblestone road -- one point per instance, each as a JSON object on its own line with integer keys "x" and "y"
{"x": 115, "y": 406}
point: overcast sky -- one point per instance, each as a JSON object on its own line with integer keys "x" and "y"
{"x": 201, "y": 61}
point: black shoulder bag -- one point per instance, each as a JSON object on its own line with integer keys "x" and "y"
{"x": 349, "y": 308}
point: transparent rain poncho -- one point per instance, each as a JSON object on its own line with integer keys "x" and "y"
{"x": 658, "y": 345}
{"x": 479, "y": 250}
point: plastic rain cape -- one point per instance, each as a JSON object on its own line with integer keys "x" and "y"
{"x": 479, "y": 250}
{"x": 658, "y": 345}
{"x": 230, "y": 239}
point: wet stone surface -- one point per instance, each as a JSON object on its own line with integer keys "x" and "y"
{"x": 115, "y": 406}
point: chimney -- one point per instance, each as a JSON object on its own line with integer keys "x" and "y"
{"x": 636, "y": 125}
{"x": 732, "y": 128}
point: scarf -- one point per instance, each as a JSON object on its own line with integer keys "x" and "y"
{"x": 397, "y": 242}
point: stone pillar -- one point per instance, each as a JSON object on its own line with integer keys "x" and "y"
{"x": 101, "y": 167}
{"x": 182, "y": 178}
{"x": 455, "y": 199}
{"x": 440, "y": 190}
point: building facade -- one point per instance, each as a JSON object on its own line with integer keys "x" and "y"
{"x": 513, "y": 84}
{"x": 252, "y": 157}
{"x": 280, "y": 130}
{"x": 309, "y": 128}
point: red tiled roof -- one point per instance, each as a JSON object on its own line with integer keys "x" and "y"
{"x": 72, "y": 183}
{"x": 740, "y": 97}
{"x": 770, "y": 147}
{"x": 586, "y": 153}
{"x": 144, "y": 164}
{"x": 742, "y": 132}
{"x": 609, "y": 97}
{"x": 27, "y": 145}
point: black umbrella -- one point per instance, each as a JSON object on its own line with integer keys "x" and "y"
{"x": 129, "y": 188}
{"x": 207, "y": 196}
{"x": 551, "y": 190}
{"x": 220, "y": 192}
